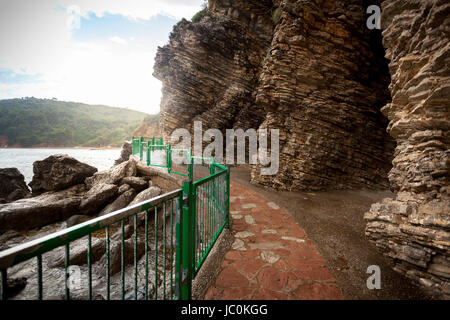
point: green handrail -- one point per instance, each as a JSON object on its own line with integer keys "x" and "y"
{"x": 198, "y": 213}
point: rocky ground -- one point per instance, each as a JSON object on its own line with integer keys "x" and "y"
{"x": 65, "y": 193}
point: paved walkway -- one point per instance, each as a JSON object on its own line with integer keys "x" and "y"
{"x": 271, "y": 257}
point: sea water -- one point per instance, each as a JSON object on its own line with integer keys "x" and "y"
{"x": 23, "y": 159}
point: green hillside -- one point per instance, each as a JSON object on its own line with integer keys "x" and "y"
{"x": 30, "y": 122}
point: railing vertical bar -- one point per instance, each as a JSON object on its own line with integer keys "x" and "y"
{"x": 108, "y": 280}
{"x": 3, "y": 287}
{"x": 197, "y": 233}
{"x": 203, "y": 219}
{"x": 89, "y": 266}
{"x": 122, "y": 258}
{"x": 66, "y": 267}
{"x": 178, "y": 271}
{"x": 146, "y": 254}
{"x": 135, "y": 256}
{"x": 164, "y": 248}
{"x": 156, "y": 252}
{"x": 171, "y": 249}
{"x": 209, "y": 211}
{"x": 39, "y": 264}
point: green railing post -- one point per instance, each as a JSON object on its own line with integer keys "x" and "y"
{"x": 169, "y": 158}
{"x": 187, "y": 241}
{"x": 148, "y": 153}
{"x": 190, "y": 166}
{"x": 178, "y": 270}
{"x": 153, "y": 143}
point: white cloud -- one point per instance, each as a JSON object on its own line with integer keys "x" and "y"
{"x": 119, "y": 40}
{"x": 36, "y": 38}
{"x": 138, "y": 9}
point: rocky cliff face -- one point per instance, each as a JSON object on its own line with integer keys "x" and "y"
{"x": 312, "y": 69}
{"x": 323, "y": 84}
{"x": 414, "y": 228}
{"x": 210, "y": 69}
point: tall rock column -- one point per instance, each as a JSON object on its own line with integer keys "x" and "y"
{"x": 414, "y": 228}
{"x": 323, "y": 83}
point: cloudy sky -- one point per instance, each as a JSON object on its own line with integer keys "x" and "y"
{"x": 91, "y": 51}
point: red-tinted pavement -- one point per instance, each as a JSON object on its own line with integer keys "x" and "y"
{"x": 271, "y": 257}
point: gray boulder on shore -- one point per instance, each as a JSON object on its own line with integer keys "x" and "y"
{"x": 97, "y": 197}
{"x": 147, "y": 194}
{"x": 121, "y": 202}
{"x": 113, "y": 175}
{"x": 12, "y": 185}
{"x": 58, "y": 172}
{"x": 51, "y": 207}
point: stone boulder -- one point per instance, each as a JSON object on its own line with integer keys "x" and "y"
{"x": 58, "y": 172}
{"x": 77, "y": 219}
{"x": 78, "y": 253}
{"x": 123, "y": 188}
{"x": 121, "y": 202}
{"x": 50, "y": 207}
{"x": 97, "y": 197}
{"x": 115, "y": 255}
{"x": 125, "y": 153}
{"x": 147, "y": 194}
{"x": 113, "y": 175}
{"x": 12, "y": 185}
{"x": 136, "y": 183}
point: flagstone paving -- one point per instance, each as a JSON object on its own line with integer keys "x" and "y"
{"x": 271, "y": 257}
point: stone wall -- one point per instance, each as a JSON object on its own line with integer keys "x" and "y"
{"x": 414, "y": 228}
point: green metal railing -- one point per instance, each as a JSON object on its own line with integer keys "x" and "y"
{"x": 186, "y": 224}
{"x": 145, "y": 146}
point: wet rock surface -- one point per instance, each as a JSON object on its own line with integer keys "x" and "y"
{"x": 12, "y": 185}
{"x": 58, "y": 172}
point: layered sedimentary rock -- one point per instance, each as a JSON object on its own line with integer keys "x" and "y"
{"x": 323, "y": 84}
{"x": 210, "y": 69}
{"x": 414, "y": 228}
{"x": 308, "y": 68}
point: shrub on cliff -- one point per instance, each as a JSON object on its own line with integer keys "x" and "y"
{"x": 199, "y": 16}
